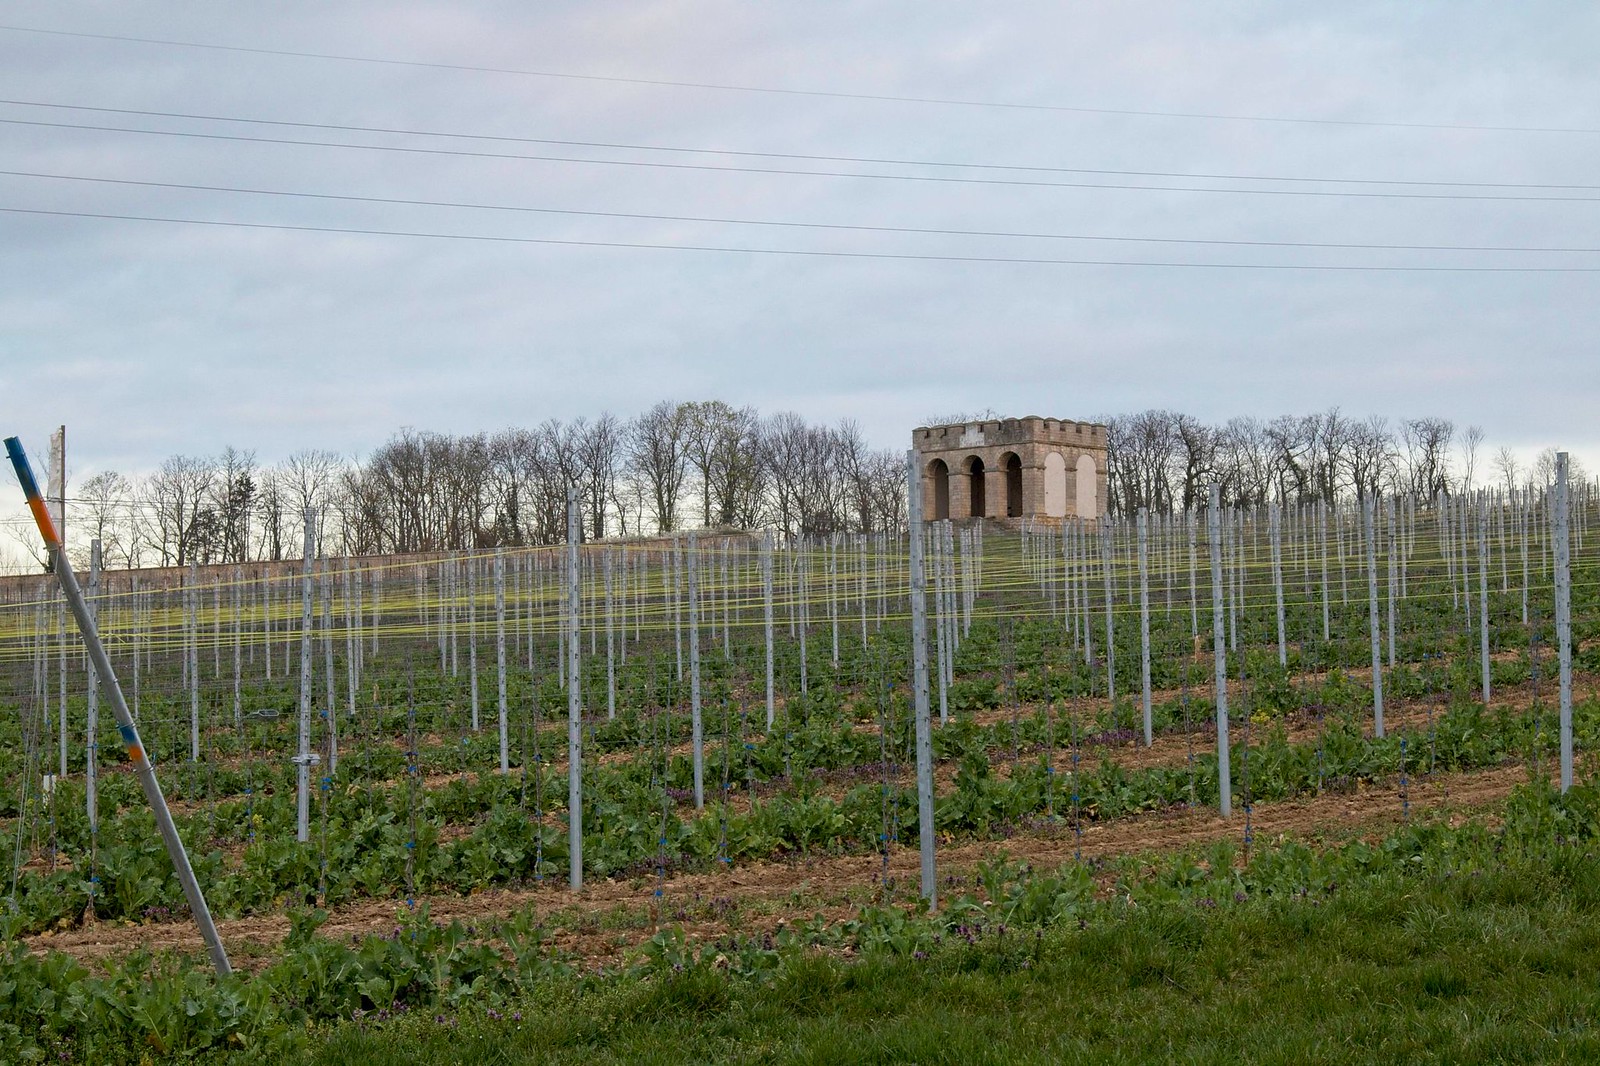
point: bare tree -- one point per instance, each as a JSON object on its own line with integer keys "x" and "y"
{"x": 308, "y": 478}
{"x": 704, "y": 424}
{"x": 1427, "y": 455}
{"x": 963, "y": 418}
{"x": 526, "y": 486}
{"x": 738, "y": 480}
{"x": 362, "y": 530}
{"x": 175, "y": 497}
{"x": 1544, "y": 469}
{"x": 1334, "y": 437}
{"x": 104, "y": 501}
{"x": 657, "y": 456}
{"x": 720, "y": 448}
{"x": 1197, "y": 449}
{"x": 1245, "y": 461}
{"x": 599, "y": 454}
{"x": 1293, "y": 440}
{"x": 628, "y": 497}
{"x": 460, "y": 469}
{"x": 271, "y": 514}
{"x": 855, "y": 467}
{"x": 1471, "y": 442}
{"x": 886, "y": 475}
{"x": 1505, "y": 462}
{"x": 1369, "y": 456}
{"x": 398, "y": 485}
{"x": 233, "y": 499}
{"x": 801, "y": 463}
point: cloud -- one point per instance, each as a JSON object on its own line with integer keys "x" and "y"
{"x": 153, "y": 338}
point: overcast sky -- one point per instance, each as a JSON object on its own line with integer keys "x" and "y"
{"x": 1417, "y": 124}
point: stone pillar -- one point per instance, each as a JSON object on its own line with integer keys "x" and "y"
{"x": 1033, "y": 482}
{"x": 960, "y": 496}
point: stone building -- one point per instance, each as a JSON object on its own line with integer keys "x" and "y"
{"x": 1012, "y": 468}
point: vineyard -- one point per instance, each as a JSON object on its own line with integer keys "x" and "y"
{"x": 442, "y": 790}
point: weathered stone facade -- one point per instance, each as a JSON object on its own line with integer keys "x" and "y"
{"x": 1012, "y": 468}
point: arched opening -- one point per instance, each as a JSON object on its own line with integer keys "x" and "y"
{"x": 939, "y": 474}
{"x": 1088, "y": 504}
{"x": 1055, "y": 485}
{"x": 976, "y": 495}
{"x": 1012, "y": 464}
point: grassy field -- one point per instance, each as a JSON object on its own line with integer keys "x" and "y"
{"x": 1449, "y": 939}
{"x": 1417, "y": 896}
{"x": 1432, "y": 945}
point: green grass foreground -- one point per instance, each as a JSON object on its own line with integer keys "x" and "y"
{"x": 1477, "y": 943}
{"x": 1496, "y": 968}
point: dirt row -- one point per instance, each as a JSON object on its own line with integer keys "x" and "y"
{"x": 610, "y": 918}
{"x": 1170, "y": 749}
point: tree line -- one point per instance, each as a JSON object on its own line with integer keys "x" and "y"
{"x": 701, "y": 463}
{"x": 708, "y": 464}
{"x": 1166, "y": 461}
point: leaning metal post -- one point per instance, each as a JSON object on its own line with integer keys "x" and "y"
{"x": 142, "y": 767}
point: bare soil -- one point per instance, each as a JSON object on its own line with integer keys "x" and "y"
{"x": 610, "y": 918}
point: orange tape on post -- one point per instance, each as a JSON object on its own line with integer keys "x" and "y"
{"x": 46, "y": 524}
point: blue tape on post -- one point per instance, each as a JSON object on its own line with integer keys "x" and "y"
{"x": 19, "y": 463}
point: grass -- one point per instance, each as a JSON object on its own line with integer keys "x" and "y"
{"x": 1489, "y": 965}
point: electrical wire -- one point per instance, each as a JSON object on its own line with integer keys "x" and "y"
{"x": 817, "y": 93}
{"x": 778, "y": 223}
{"x": 799, "y": 252}
{"x": 805, "y": 157}
{"x": 942, "y": 179}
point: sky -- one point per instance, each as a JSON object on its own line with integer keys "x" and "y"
{"x": 311, "y": 224}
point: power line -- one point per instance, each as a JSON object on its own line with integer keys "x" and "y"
{"x": 814, "y": 158}
{"x": 716, "y": 220}
{"x": 809, "y": 253}
{"x": 828, "y": 94}
{"x": 790, "y": 172}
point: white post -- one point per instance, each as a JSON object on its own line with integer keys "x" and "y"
{"x": 191, "y": 652}
{"x": 919, "y": 685}
{"x": 1111, "y": 642}
{"x": 238, "y": 649}
{"x": 611, "y": 641}
{"x": 697, "y": 726}
{"x": 766, "y": 604}
{"x": 1219, "y": 648}
{"x": 1563, "y": 583}
{"x": 1322, "y": 542}
{"x": 92, "y": 727}
{"x": 1483, "y": 597}
{"x": 574, "y": 703}
{"x": 500, "y": 656}
{"x": 304, "y": 757}
{"x": 1275, "y": 521}
{"x": 325, "y": 590}
{"x": 1372, "y": 615}
{"x": 1394, "y": 584}
{"x": 61, "y": 681}
{"x": 1144, "y": 625}
{"x": 472, "y": 636}
{"x": 941, "y": 626}
{"x": 56, "y": 482}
